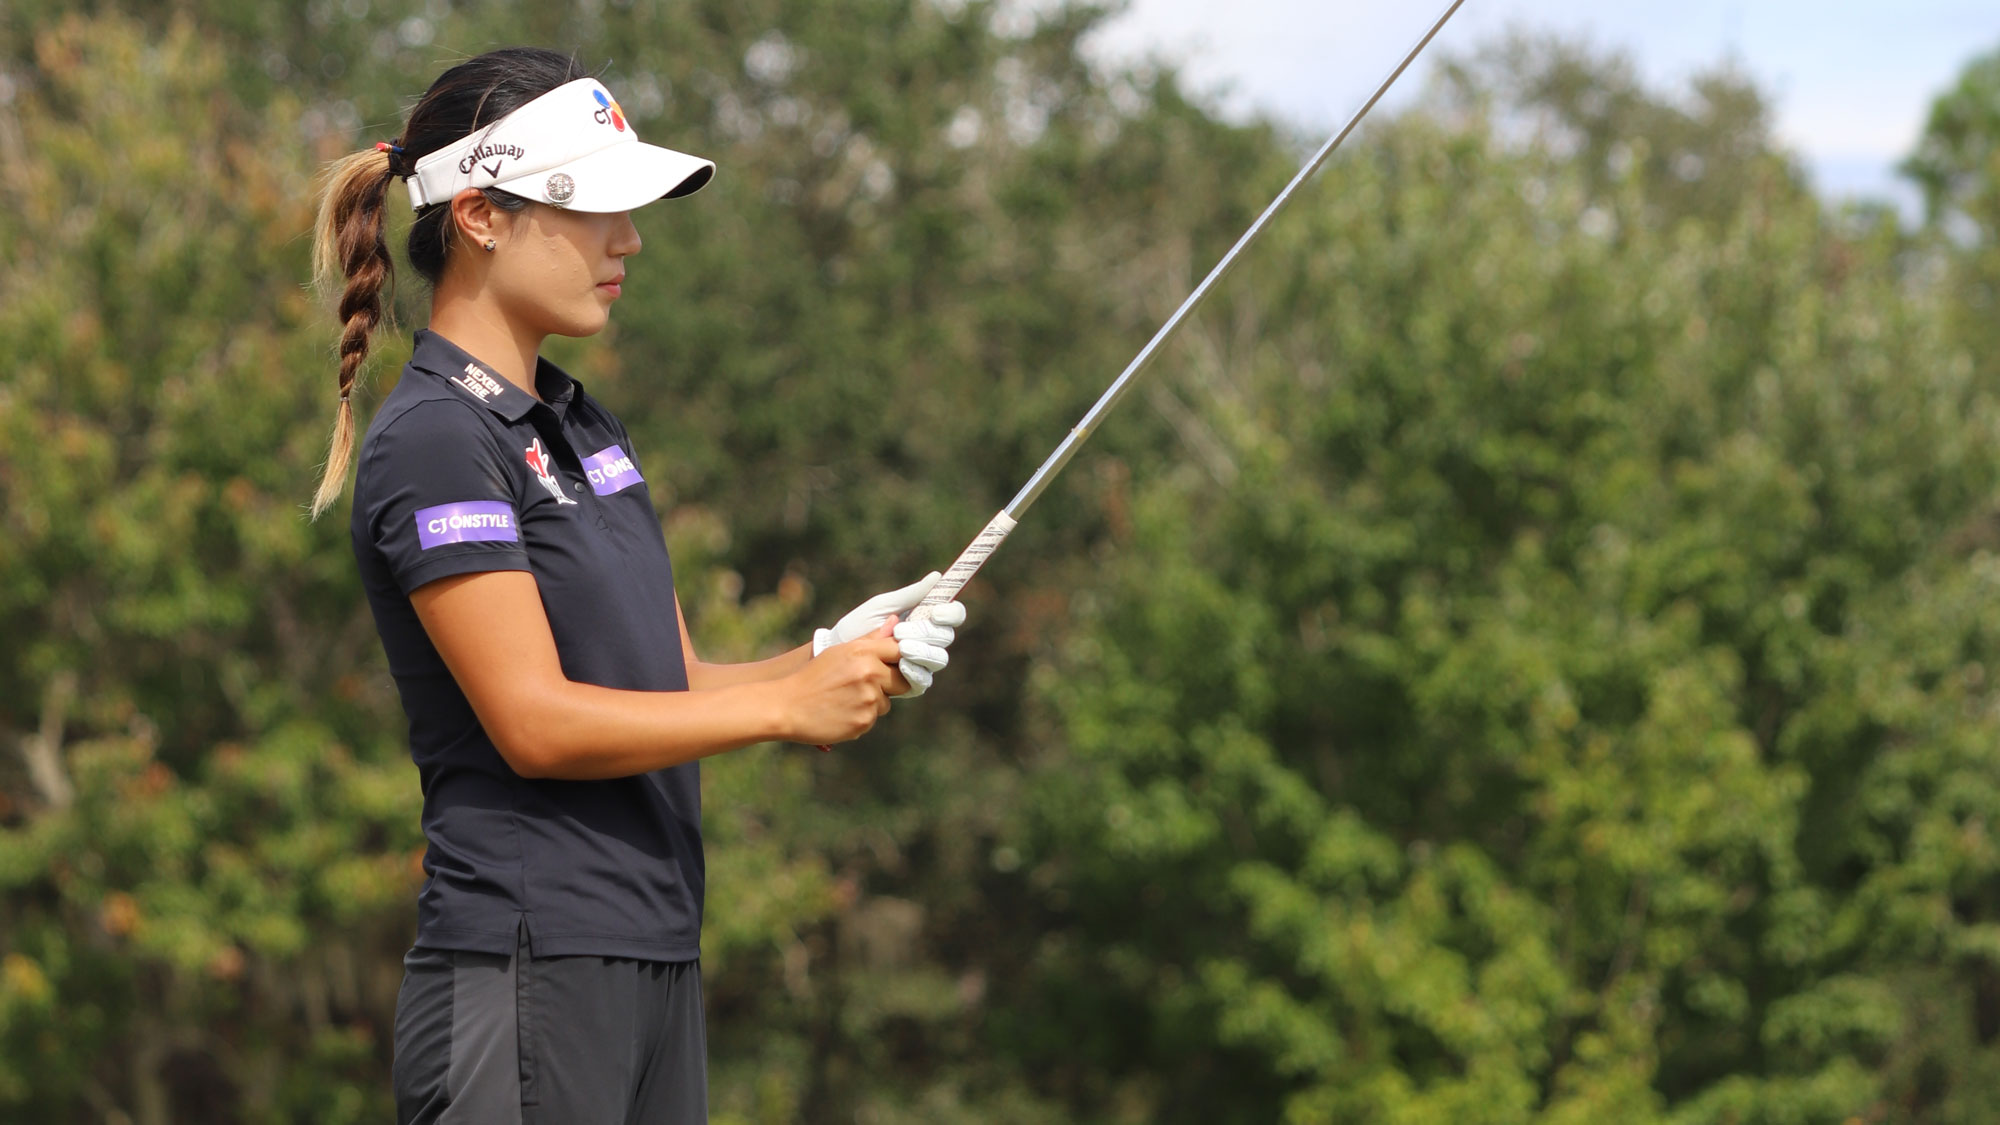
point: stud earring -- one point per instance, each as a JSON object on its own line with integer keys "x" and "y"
{"x": 490, "y": 244}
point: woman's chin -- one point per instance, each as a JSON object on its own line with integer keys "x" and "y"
{"x": 587, "y": 325}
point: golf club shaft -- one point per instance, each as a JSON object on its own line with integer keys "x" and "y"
{"x": 989, "y": 539}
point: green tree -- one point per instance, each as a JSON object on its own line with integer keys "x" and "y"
{"x": 214, "y": 808}
{"x": 1564, "y": 697}
{"x": 1957, "y": 164}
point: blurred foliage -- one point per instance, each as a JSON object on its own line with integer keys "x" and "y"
{"x": 1526, "y": 658}
{"x": 1957, "y": 163}
{"x": 1574, "y": 707}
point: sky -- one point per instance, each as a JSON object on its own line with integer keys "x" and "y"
{"x": 1851, "y": 80}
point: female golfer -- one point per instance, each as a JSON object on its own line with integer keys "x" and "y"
{"x": 518, "y": 577}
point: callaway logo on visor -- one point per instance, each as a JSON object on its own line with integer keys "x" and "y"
{"x": 479, "y": 156}
{"x": 553, "y": 150}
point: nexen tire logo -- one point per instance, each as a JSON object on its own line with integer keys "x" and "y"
{"x": 468, "y": 521}
{"x": 477, "y": 383}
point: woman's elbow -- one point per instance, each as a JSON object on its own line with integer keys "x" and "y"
{"x": 525, "y": 747}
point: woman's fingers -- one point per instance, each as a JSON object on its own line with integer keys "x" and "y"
{"x": 923, "y": 641}
{"x": 948, "y": 614}
{"x": 852, "y": 683}
{"x": 896, "y": 660}
{"x": 918, "y": 676}
{"x": 929, "y": 657}
{"x": 929, "y": 632}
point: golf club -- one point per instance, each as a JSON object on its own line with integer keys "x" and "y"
{"x": 995, "y": 532}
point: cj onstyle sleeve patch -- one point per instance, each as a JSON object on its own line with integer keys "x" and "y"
{"x": 436, "y": 495}
{"x": 468, "y": 521}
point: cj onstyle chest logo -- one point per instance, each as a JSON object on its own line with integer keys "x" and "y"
{"x": 545, "y": 471}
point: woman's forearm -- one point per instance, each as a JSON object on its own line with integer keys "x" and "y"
{"x": 583, "y": 732}
{"x": 708, "y": 677}
{"x": 561, "y": 729}
{"x": 493, "y": 634}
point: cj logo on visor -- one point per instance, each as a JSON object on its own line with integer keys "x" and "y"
{"x": 608, "y": 112}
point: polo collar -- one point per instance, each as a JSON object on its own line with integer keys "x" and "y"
{"x": 477, "y": 382}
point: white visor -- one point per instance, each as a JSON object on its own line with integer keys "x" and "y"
{"x": 572, "y": 147}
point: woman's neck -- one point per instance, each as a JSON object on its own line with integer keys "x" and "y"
{"x": 484, "y": 332}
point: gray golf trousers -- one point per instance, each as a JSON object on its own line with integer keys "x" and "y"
{"x": 517, "y": 1040}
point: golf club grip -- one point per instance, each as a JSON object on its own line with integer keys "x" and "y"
{"x": 967, "y": 564}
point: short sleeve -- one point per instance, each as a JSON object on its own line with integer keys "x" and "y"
{"x": 437, "y": 497}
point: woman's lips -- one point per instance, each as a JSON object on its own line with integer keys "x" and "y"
{"x": 615, "y": 286}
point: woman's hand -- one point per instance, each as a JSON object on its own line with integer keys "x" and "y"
{"x": 840, "y": 693}
{"x": 924, "y": 637}
{"x": 868, "y": 617}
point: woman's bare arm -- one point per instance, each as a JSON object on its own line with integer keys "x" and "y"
{"x": 707, "y": 677}
{"x": 494, "y": 635}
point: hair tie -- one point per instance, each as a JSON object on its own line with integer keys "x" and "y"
{"x": 389, "y": 146}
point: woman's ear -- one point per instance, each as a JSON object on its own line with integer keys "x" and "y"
{"x": 475, "y": 217}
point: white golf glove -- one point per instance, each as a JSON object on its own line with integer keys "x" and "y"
{"x": 923, "y": 643}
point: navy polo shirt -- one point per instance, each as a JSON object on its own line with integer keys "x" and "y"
{"x": 462, "y": 471}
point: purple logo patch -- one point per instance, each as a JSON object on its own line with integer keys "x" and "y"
{"x": 467, "y": 521}
{"x": 610, "y": 470}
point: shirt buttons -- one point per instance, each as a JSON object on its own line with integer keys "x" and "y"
{"x": 578, "y": 486}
